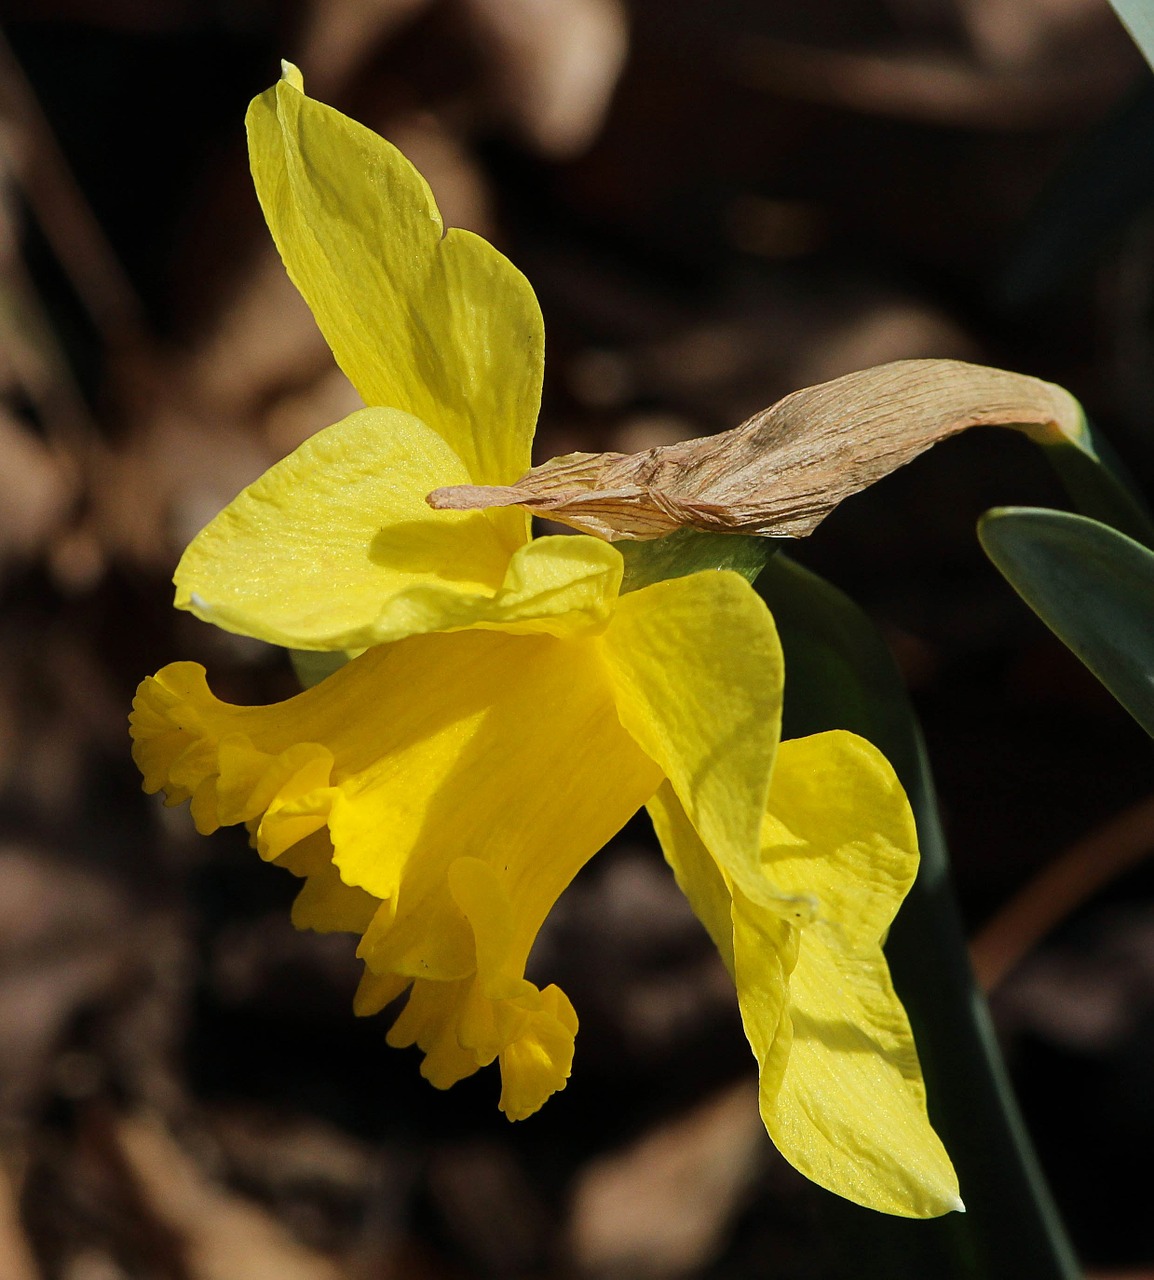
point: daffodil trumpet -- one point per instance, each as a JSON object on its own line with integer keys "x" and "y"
{"x": 511, "y": 707}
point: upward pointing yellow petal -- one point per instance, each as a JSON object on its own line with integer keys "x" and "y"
{"x": 441, "y": 326}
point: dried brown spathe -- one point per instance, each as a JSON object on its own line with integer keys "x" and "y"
{"x": 784, "y": 470}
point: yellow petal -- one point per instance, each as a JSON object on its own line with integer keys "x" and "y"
{"x": 501, "y": 748}
{"x": 839, "y": 827}
{"x": 310, "y": 554}
{"x": 537, "y": 1063}
{"x": 849, "y": 1108}
{"x": 698, "y": 673}
{"x": 325, "y": 903}
{"x": 439, "y": 325}
{"x": 334, "y": 547}
{"x": 841, "y": 1088}
{"x": 698, "y": 875}
{"x": 505, "y": 748}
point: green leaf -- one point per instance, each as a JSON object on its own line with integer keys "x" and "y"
{"x": 1091, "y": 585}
{"x": 841, "y": 675}
{"x": 1137, "y": 16}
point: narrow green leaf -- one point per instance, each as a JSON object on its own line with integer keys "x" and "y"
{"x": 841, "y": 675}
{"x": 1091, "y": 585}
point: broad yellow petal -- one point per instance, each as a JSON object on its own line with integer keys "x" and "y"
{"x": 334, "y": 547}
{"x": 698, "y": 673}
{"x": 313, "y": 552}
{"x": 438, "y": 324}
{"x": 502, "y": 748}
{"x": 839, "y": 827}
{"x": 849, "y": 1108}
{"x": 841, "y": 1088}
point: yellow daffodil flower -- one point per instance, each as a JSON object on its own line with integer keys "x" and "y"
{"x": 512, "y": 707}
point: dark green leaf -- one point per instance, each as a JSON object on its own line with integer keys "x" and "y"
{"x": 1092, "y": 586}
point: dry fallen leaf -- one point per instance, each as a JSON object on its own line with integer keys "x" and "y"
{"x": 784, "y": 470}
{"x": 554, "y": 65}
{"x": 16, "y": 1260}
{"x": 34, "y": 490}
{"x": 1021, "y": 82}
{"x": 661, "y": 1207}
{"x": 220, "y": 1235}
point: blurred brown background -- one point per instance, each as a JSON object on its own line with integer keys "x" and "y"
{"x": 717, "y": 203}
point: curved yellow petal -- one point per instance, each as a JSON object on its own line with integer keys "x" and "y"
{"x": 334, "y": 547}
{"x": 839, "y": 827}
{"x": 849, "y": 1108}
{"x": 841, "y": 1089}
{"x": 698, "y": 673}
{"x": 309, "y": 554}
{"x": 439, "y": 325}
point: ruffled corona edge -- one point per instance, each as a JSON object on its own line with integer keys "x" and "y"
{"x": 193, "y": 747}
